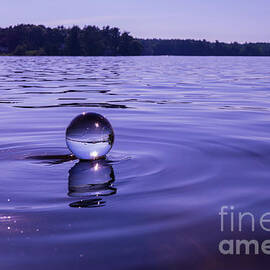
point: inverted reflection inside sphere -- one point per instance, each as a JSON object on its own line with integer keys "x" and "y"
{"x": 89, "y": 136}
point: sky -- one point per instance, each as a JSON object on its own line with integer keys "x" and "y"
{"x": 223, "y": 20}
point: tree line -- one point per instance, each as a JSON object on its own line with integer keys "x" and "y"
{"x": 203, "y": 48}
{"x": 31, "y": 40}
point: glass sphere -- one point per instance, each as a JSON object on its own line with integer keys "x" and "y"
{"x": 89, "y": 136}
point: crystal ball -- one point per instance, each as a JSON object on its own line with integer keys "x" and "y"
{"x": 89, "y": 136}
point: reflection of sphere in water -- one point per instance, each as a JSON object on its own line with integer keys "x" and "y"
{"x": 91, "y": 178}
{"x": 89, "y": 136}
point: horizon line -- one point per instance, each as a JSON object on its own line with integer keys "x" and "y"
{"x": 135, "y": 37}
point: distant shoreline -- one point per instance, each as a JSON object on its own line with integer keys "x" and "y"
{"x": 108, "y": 56}
{"x": 39, "y": 40}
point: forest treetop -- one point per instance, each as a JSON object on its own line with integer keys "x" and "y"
{"x": 28, "y": 39}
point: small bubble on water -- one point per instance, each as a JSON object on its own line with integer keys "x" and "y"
{"x": 89, "y": 136}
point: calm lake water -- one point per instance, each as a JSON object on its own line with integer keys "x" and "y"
{"x": 191, "y": 134}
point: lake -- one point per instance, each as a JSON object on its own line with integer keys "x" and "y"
{"x": 192, "y": 134}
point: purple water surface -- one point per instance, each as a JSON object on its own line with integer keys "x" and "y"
{"x": 191, "y": 134}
